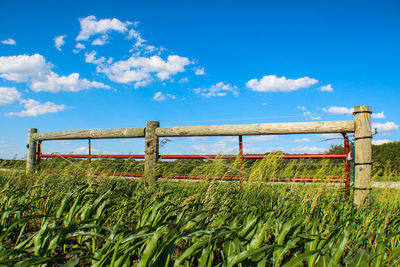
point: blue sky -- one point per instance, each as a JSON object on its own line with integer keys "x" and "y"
{"x": 97, "y": 64}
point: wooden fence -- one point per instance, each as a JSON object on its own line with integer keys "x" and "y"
{"x": 360, "y": 126}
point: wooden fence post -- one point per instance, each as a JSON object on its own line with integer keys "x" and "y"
{"x": 363, "y": 155}
{"x": 151, "y": 152}
{"x": 31, "y": 153}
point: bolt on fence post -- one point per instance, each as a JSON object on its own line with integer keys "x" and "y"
{"x": 363, "y": 155}
{"x": 31, "y": 155}
{"x": 151, "y": 152}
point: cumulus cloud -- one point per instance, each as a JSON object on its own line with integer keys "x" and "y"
{"x": 159, "y": 96}
{"x": 144, "y": 64}
{"x": 91, "y": 26}
{"x": 199, "y": 71}
{"x": 338, "y": 110}
{"x": 386, "y": 127}
{"x": 91, "y": 58}
{"x": 219, "y": 89}
{"x": 37, "y": 72}
{"x": 379, "y": 115}
{"x": 184, "y": 80}
{"x": 272, "y": 83}
{"x": 301, "y": 108}
{"x": 331, "y": 136}
{"x": 101, "y": 41}
{"x": 308, "y": 149}
{"x": 35, "y": 108}
{"x": 303, "y": 140}
{"x": 224, "y": 145}
{"x": 315, "y": 118}
{"x": 260, "y": 138}
{"x": 140, "y": 70}
{"x": 381, "y": 142}
{"x": 9, "y": 41}
{"x": 326, "y": 88}
{"x": 9, "y": 95}
{"x": 71, "y": 83}
{"x": 59, "y": 41}
{"x": 85, "y": 150}
{"x": 78, "y": 47}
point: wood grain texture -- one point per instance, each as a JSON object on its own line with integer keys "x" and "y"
{"x": 151, "y": 153}
{"x": 92, "y": 134}
{"x": 31, "y": 153}
{"x": 363, "y": 154}
{"x": 258, "y": 129}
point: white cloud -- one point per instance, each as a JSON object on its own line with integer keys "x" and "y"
{"x": 78, "y": 47}
{"x": 85, "y": 150}
{"x": 309, "y": 114}
{"x": 59, "y": 41}
{"x": 91, "y": 26}
{"x": 272, "y": 83}
{"x": 264, "y": 104}
{"x": 37, "y": 72}
{"x": 331, "y": 136}
{"x": 184, "y": 80}
{"x": 34, "y": 108}
{"x": 101, "y": 41}
{"x": 385, "y": 127}
{"x": 380, "y": 115}
{"x": 260, "y": 138}
{"x": 315, "y": 118}
{"x": 145, "y": 63}
{"x": 197, "y": 138}
{"x": 140, "y": 46}
{"x": 8, "y": 95}
{"x": 140, "y": 70}
{"x": 71, "y": 83}
{"x": 301, "y": 107}
{"x": 339, "y": 110}
{"x": 221, "y": 146}
{"x": 303, "y": 140}
{"x": 248, "y": 150}
{"x": 326, "y": 88}
{"x": 381, "y": 142}
{"x": 159, "y": 96}
{"x": 91, "y": 58}
{"x": 219, "y": 89}
{"x": 199, "y": 71}
{"x": 9, "y": 41}
{"x": 21, "y": 68}
{"x": 308, "y": 149}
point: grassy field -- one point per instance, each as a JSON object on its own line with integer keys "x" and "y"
{"x": 54, "y": 219}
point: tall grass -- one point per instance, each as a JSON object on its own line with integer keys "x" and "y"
{"x": 84, "y": 219}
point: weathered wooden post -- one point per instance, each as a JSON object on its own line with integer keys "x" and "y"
{"x": 151, "y": 152}
{"x": 363, "y": 155}
{"x": 31, "y": 153}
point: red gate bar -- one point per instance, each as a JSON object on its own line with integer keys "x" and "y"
{"x": 249, "y": 156}
{"x": 220, "y": 178}
{"x": 345, "y": 179}
{"x": 346, "y": 162}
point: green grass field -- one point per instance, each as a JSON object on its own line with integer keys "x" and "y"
{"x": 77, "y": 220}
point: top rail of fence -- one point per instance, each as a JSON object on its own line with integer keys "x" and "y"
{"x": 205, "y": 130}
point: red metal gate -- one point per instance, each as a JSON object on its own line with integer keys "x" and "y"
{"x": 344, "y": 178}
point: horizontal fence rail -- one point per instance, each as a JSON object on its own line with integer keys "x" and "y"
{"x": 258, "y": 129}
{"x": 360, "y": 126}
{"x": 91, "y": 134}
{"x": 212, "y": 130}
